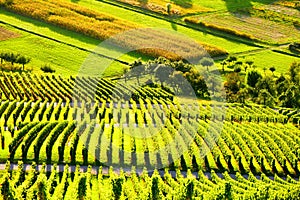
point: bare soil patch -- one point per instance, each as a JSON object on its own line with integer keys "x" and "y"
{"x": 7, "y": 34}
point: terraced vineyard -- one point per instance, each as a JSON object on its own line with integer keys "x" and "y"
{"x": 87, "y": 121}
{"x": 109, "y": 185}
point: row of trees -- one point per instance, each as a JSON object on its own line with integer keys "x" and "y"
{"x": 14, "y": 58}
{"x": 262, "y": 88}
{"x": 266, "y": 89}
{"x": 171, "y": 75}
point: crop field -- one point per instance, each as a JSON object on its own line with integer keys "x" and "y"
{"x": 250, "y": 27}
{"x": 44, "y": 119}
{"x": 149, "y": 99}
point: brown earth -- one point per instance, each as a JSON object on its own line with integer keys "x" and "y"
{"x": 7, "y": 34}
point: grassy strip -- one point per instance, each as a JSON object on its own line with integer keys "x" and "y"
{"x": 102, "y": 26}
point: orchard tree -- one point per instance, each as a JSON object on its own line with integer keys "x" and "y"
{"x": 163, "y": 72}
{"x": 12, "y": 58}
{"x": 206, "y": 62}
{"x": 237, "y": 69}
{"x": 252, "y": 78}
{"x": 223, "y": 63}
{"x": 169, "y": 8}
{"x": 272, "y": 69}
{"x": 294, "y": 72}
{"x": 3, "y": 56}
{"x": 23, "y": 61}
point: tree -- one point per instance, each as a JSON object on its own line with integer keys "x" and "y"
{"x": 12, "y": 58}
{"x": 294, "y": 72}
{"x": 264, "y": 69}
{"x": 223, "y": 63}
{"x": 272, "y": 69}
{"x": 23, "y": 61}
{"x": 267, "y": 83}
{"x": 138, "y": 71}
{"x": 125, "y": 75}
{"x": 231, "y": 59}
{"x": 169, "y": 8}
{"x": 163, "y": 72}
{"x": 281, "y": 84}
{"x": 206, "y": 62}
{"x": 232, "y": 85}
{"x": 242, "y": 94}
{"x": 252, "y": 78}
{"x": 266, "y": 98}
{"x": 237, "y": 69}
{"x": 290, "y": 98}
{"x": 3, "y": 56}
{"x": 249, "y": 62}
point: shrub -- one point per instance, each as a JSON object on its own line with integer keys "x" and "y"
{"x": 47, "y": 69}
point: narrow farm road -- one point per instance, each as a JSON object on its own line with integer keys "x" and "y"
{"x": 105, "y": 170}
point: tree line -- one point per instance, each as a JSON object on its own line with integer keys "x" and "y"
{"x": 251, "y": 86}
{"x": 13, "y": 58}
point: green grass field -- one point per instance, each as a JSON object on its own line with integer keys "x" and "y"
{"x": 66, "y": 60}
{"x": 267, "y": 59}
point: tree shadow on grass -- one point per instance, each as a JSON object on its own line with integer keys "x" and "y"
{"x": 235, "y": 5}
{"x": 183, "y": 3}
{"x": 174, "y": 26}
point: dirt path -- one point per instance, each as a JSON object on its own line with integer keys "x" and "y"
{"x": 105, "y": 170}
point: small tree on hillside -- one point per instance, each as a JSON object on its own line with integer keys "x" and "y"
{"x": 12, "y": 58}
{"x": 163, "y": 72}
{"x": 237, "y": 69}
{"x": 223, "y": 63}
{"x": 206, "y": 62}
{"x": 252, "y": 78}
{"x": 169, "y": 8}
{"x": 23, "y": 61}
{"x": 272, "y": 69}
{"x": 3, "y": 57}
